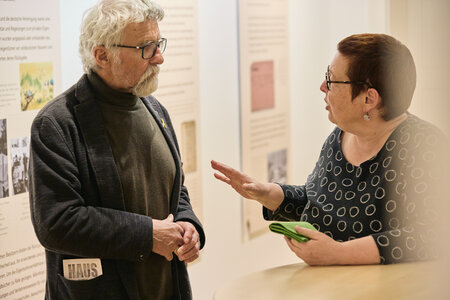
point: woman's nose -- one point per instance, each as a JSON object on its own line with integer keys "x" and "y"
{"x": 323, "y": 86}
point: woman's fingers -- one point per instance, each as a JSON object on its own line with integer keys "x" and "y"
{"x": 222, "y": 178}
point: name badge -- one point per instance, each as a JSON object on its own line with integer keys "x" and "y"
{"x": 82, "y": 269}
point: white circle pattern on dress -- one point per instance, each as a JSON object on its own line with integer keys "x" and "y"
{"x": 376, "y": 226}
{"x": 322, "y": 198}
{"x": 375, "y": 181}
{"x": 332, "y": 186}
{"x": 397, "y": 253}
{"x": 337, "y": 170}
{"x": 341, "y": 211}
{"x": 354, "y": 211}
{"x": 391, "y": 205}
{"x": 349, "y": 195}
{"x": 362, "y": 186}
{"x": 329, "y": 166}
{"x": 339, "y": 156}
{"x": 390, "y": 175}
{"x": 338, "y": 195}
{"x": 358, "y": 172}
{"x": 387, "y": 161}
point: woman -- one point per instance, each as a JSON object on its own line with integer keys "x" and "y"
{"x": 371, "y": 190}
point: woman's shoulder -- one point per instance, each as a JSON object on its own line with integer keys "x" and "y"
{"x": 413, "y": 125}
{"x": 333, "y": 138}
{"x": 416, "y": 136}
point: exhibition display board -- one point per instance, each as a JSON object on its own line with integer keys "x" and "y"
{"x": 30, "y": 76}
{"x": 178, "y": 88}
{"x": 264, "y": 94}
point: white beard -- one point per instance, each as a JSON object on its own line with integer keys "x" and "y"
{"x": 148, "y": 82}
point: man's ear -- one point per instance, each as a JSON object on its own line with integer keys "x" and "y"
{"x": 101, "y": 56}
{"x": 373, "y": 99}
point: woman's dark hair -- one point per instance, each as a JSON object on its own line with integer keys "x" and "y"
{"x": 386, "y": 64}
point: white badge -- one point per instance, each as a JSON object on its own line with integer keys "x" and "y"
{"x": 82, "y": 269}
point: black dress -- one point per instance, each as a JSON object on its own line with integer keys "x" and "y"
{"x": 389, "y": 197}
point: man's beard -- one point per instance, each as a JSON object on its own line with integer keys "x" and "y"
{"x": 148, "y": 82}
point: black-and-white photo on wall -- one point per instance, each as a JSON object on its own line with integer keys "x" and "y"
{"x": 277, "y": 166}
{"x": 19, "y": 168}
{"x": 4, "y": 185}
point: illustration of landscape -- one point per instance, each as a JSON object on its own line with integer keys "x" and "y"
{"x": 36, "y": 85}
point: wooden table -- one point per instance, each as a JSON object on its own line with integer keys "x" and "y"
{"x": 300, "y": 281}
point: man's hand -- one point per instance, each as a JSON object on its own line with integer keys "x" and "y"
{"x": 167, "y": 237}
{"x": 191, "y": 247}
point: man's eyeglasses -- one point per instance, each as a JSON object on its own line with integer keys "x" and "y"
{"x": 149, "y": 50}
{"x": 329, "y": 82}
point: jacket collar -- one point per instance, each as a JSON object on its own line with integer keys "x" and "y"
{"x": 99, "y": 151}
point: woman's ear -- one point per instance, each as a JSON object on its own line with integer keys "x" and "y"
{"x": 373, "y": 99}
{"x": 101, "y": 56}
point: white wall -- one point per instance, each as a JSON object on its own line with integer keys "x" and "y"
{"x": 316, "y": 27}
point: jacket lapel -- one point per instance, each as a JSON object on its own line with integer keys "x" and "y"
{"x": 100, "y": 155}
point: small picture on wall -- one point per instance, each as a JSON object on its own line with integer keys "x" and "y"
{"x": 36, "y": 85}
{"x": 188, "y": 146}
{"x": 262, "y": 85}
{"x": 19, "y": 168}
{"x": 277, "y": 166}
{"x": 4, "y": 184}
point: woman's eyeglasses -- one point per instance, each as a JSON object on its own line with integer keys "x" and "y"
{"x": 329, "y": 82}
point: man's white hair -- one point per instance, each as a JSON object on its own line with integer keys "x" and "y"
{"x": 104, "y": 23}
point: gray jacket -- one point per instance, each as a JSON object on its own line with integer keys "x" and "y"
{"x": 77, "y": 204}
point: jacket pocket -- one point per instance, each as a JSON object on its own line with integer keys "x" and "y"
{"x": 99, "y": 288}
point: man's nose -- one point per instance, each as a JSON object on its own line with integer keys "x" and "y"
{"x": 158, "y": 58}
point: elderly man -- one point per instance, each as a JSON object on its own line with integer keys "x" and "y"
{"x": 106, "y": 184}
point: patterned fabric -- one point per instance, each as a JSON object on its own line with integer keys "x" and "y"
{"x": 388, "y": 197}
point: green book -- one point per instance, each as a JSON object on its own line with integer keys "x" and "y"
{"x": 288, "y": 229}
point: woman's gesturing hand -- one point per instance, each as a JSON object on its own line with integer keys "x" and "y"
{"x": 268, "y": 194}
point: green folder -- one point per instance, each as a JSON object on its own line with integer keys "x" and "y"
{"x": 288, "y": 229}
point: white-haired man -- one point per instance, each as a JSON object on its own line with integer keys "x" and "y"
{"x": 107, "y": 196}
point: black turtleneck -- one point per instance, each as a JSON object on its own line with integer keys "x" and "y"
{"x": 146, "y": 170}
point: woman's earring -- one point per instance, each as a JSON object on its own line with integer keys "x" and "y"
{"x": 366, "y": 116}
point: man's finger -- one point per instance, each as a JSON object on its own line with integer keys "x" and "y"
{"x": 187, "y": 246}
{"x": 170, "y": 218}
{"x": 191, "y": 259}
{"x": 188, "y": 234}
{"x": 188, "y": 254}
{"x": 169, "y": 256}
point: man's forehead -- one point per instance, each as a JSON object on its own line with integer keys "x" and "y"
{"x": 142, "y": 30}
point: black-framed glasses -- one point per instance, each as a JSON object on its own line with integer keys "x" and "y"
{"x": 149, "y": 50}
{"x": 329, "y": 82}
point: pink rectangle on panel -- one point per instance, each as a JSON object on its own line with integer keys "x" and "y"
{"x": 262, "y": 85}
